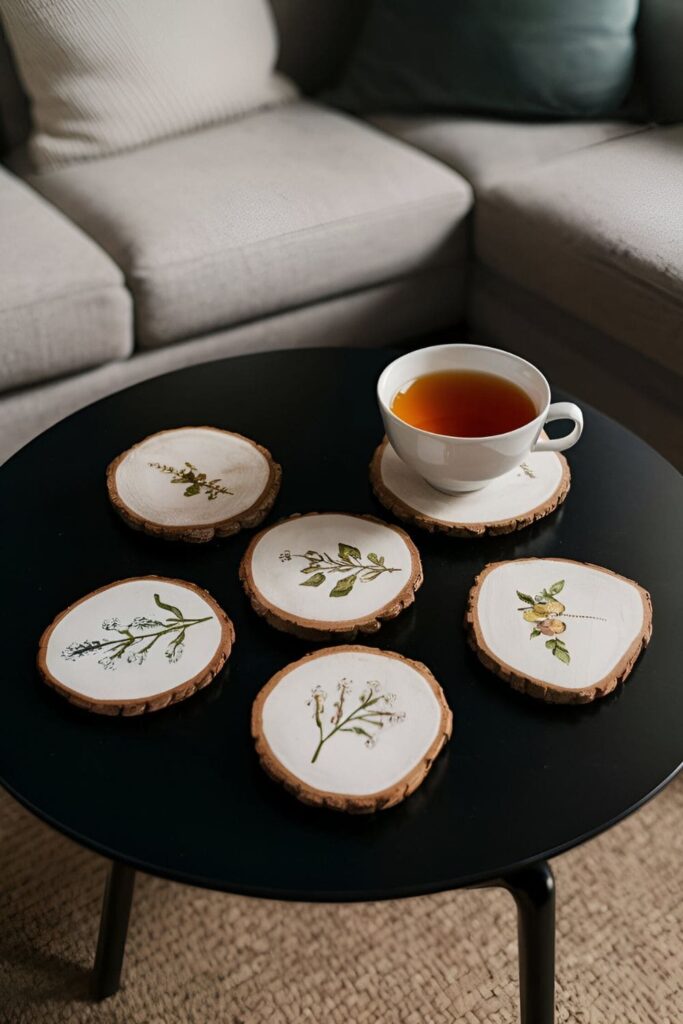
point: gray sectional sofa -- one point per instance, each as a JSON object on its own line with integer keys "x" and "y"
{"x": 302, "y": 226}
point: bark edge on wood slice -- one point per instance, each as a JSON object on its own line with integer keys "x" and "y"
{"x": 152, "y": 702}
{"x": 365, "y": 803}
{"x": 321, "y": 629}
{"x": 466, "y": 529}
{"x": 538, "y": 687}
{"x": 197, "y": 533}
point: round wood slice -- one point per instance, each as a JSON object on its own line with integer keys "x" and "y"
{"x": 193, "y": 483}
{"x": 513, "y": 501}
{"x": 136, "y": 645}
{"x": 564, "y": 631}
{"x": 351, "y": 728}
{"x": 329, "y": 576}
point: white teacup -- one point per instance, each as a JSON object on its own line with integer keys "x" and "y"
{"x": 456, "y": 464}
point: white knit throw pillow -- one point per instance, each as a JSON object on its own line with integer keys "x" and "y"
{"x": 108, "y": 75}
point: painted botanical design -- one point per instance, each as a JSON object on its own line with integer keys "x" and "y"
{"x": 373, "y": 712}
{"x": 135, "y": 640}
{"x": 348, "y": 560}
{"x": 546, "y": 615}
{"x": 194, "y": 481}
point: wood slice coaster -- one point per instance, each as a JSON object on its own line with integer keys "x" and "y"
{"x": 351, "y": 728}
{"x": 511, "y": 502}
{"x": 564, "y": 631}
{"x": 136, "y": 645}
{"x": 328, "y": 576}
{"x": 193, "y": 483}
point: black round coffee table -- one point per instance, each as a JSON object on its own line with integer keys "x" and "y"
{"x": 179, "y": 793}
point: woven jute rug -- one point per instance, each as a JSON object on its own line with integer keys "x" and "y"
{"x": 196, "y": 957}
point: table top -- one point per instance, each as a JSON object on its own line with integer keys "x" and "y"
{"x": 180, "y": 793}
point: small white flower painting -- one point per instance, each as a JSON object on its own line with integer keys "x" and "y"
{"x": 353, "y": 720}
{"x": 133, "y": 640}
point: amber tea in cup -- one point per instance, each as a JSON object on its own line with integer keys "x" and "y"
{"x": 462, "y": 416}
{"x": 463, "y": 403}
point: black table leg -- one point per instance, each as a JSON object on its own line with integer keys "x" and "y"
{"x": 111, "y": 943}
{"x": 533, "y": 889}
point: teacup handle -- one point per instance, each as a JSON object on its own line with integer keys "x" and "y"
{"x": 561, "y": 411}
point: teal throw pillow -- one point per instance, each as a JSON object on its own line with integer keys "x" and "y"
{"x": 516, "y": 58}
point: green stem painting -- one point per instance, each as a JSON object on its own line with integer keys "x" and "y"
{"x": 194, "y": 481}
{"x": 348, "y": 560}
{"x": 137, "y": 639}
{"x": 372, "y": 713}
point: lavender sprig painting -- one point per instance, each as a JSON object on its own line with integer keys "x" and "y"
{"x": 134, "y": 640}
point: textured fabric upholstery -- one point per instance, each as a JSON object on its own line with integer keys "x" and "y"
{"x": 317, "y": 37}
{"x": 528, "y": 58}
{"x": 104, "y": 77}
{"x": 63, "y": 306}
{"x": 616, "y": 379}
{"x": 374, "y": 316}
{"x": 598, "y": 233}
{"x": 485, "y": 150}
{"x": 273, "y": 211}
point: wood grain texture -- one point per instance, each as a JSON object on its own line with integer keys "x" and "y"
{"x": 198, "y": 533}
{"x": 398, "y": 507}
{"x": 540, "y": 688}
{"x": 157, "y": 701}
{"x": 322, "y": 629}
{"x": 353, "y": 804}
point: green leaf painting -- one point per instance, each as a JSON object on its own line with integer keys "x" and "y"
{"x": 194, "y": 481}
{"x": 137, "y": 638}
{"x": 313, "y": 581}
{"x": 348, "y": 560}
{"x": 343, "y": 587}
{"x": 560, "y": 651}
{"x": 546, "y": 615}
{"x": 374, "y": 711}
{"x": 348, "y": 552}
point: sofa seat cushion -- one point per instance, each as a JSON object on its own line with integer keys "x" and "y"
{"x": 485, "y": 150}
{"x": 247, "y": 219}
{"x": 599, "y": 233}
{"x": 63, "y": 304}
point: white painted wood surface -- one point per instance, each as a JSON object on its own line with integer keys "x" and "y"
{"x": 101, "y": 674}
{"x": 151, "y": 493}
{"x": 602, "y": 614}
{"x": 349, "y": 762}
{"x": 281, "y": 555}
{"x": 509, "y": 497}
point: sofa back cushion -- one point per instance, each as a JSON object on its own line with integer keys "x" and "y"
{"x": 103, "y": 77}
{"x": 318, "y": 36}
{"x": 530, "y": 58}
